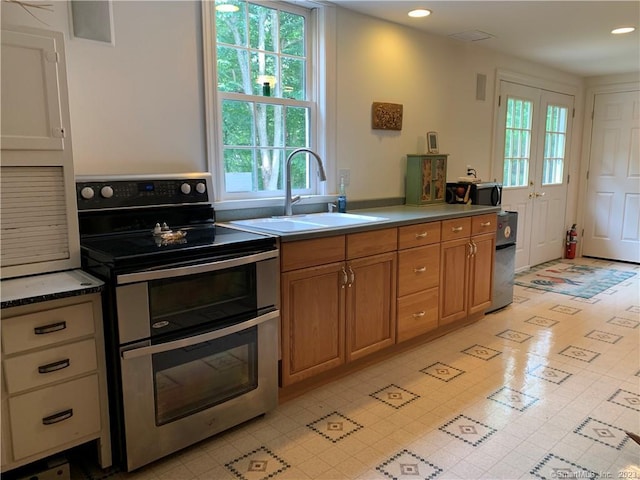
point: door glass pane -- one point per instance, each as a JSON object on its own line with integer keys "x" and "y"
{"x": 517, "y": 142}
{"x": 554, "y": 145}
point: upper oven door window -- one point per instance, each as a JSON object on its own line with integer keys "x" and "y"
{"x": 219, "y": 297}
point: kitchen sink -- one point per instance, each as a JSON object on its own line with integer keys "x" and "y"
{"x": 311, "y": 221}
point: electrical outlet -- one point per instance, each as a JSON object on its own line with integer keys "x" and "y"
{"x": 345, "y": 174}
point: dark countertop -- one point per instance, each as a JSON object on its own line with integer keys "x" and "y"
{"x": 397, "y": 216}
{"x": 47, "y": 286}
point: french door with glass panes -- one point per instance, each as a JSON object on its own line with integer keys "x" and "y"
{"x": 533, "y": 138}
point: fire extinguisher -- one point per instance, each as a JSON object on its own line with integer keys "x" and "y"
{"x": 572, "y": 242}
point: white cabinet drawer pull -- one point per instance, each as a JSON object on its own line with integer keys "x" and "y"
{"x": 456, "y": 229}
{"x": 421, "y": 235}
{"x": 58, "y": 417}
{"x": 54, "y": 327}
{"x": 55, "y": 366}
{"x": 419, "y": 269}
{"x": 419, "y": 314}
{"x": 485, "y": 224}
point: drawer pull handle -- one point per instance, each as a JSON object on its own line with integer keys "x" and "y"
{"x": 52, "y": 367}
{"x": 345, "y": 278}
{"x": 352, "y": 277}
{"x": 419, "y": 314}
{"x": 420, "y": 270}
{"x": 456, "y": 229}
{"x": 54, "y": 327}
{"x": 421, "y": 235}
{"x": 485, "y": 224}
{"x": 57, "y": 417}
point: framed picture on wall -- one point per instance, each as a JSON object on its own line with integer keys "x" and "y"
{"x": 432, "y": 142}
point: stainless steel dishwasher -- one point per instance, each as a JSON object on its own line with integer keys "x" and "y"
{"x": 505, "y": 260}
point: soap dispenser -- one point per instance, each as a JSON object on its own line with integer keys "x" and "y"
{"x": 342, "y": 197}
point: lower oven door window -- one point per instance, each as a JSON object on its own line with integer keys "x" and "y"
{"x": 199, "y": 376}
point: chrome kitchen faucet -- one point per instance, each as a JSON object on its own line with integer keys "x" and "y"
{"x": 288, "y": 201}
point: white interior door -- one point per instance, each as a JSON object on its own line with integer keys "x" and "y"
{"x": 612, "y": 222}
{"x": 533, "y": 133}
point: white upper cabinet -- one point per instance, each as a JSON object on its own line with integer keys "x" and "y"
{"x": 39, "y": 229}
{"x": 31, "y": 103}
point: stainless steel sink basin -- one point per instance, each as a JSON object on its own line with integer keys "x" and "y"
{"x": 312, "y": 221}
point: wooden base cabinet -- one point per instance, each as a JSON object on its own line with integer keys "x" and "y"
{"x": 313, "y": 321}
{"x": 418, "y": 278}
{"x": 338, "y": 301}
{"x": 466, "y": 259}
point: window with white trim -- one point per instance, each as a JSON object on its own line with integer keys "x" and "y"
{"x": 262, "y": 105}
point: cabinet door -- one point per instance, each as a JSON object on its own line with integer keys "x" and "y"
{"x": 31, "y": 104}
{"x": 454, "y": 277}
{"x": 371, "y": 304}
{"x": 313, "y": 321}
{"x": 481, "y": 272}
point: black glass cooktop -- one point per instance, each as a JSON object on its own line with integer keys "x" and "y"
{"x": 143, "y": 248}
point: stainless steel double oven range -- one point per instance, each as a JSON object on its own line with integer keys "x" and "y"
{"x": 190, "y": 311}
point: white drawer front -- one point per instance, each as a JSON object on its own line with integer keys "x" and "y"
{"x": 29, "y": 412}
{"x": 39, "y": 329}
{"x": 57, "y": 363}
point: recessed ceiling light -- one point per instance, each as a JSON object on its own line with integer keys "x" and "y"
{"x": 420, "y": 12}
{"x": 227, "y": 8}
{"x": 621, "y": 30}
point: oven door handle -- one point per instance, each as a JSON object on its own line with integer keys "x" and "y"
{"x": 205, "y": 337}
{"x": 194, "y": 269}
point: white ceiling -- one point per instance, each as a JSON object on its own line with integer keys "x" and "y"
{"x": 572, "y": 36}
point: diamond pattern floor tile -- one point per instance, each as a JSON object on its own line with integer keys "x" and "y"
{"x": 442, "y": 371}
{"x": 468, "y": 430}
{"x": 407, "y": 465}
{"x": 394, "y": 396}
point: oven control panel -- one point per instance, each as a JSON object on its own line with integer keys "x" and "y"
{"x": 136, "y": 191}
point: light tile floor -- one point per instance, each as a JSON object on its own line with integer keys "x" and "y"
{"x": 544, "y": 388}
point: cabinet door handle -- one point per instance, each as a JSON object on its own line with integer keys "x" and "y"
{"x": 352, "y": 276}
{"x": 420, "y": 270}
{"x": 470, "y": 252}
{"x": 485, "y": 224}
{"x": 419, "y": 314}
{"x": 456, "y": 229}
{"x": 475, "y": 247}
{"x": 421, "y": 235}
{"x": 345, "y": 278}
{"x": 54, "y": 327}
{"x": 52, "y": 367}
{"x": 58, "y": 417}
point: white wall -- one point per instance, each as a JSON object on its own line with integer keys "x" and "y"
{"x": 435, "y": 80}
{"x": 138, "y": 106}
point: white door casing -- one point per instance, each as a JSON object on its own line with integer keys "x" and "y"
{"x": 612, "y": 219}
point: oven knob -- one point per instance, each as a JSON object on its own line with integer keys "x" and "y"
{"x": 201, "y": 187}
{"x": 87, "y": 193}
{"x": 106, "y": 191}
{"x": 185, "y": 188}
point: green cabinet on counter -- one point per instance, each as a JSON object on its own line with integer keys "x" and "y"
{"x": 426, "y": 179}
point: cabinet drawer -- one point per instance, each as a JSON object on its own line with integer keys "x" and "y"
{"x": 372, "y": 243}
{"x": 54, "y": 416}
{"x": 417, "y": 314}
{"x": 418, "y": 269}
{"x": 456, "y": 228}
{"x": 47, "y": 327}
{"x": 51, "y": 365}
{"x": 309, "y": 253}
{"x": 418, "y": 235}
{"x": 484, "y": 224}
